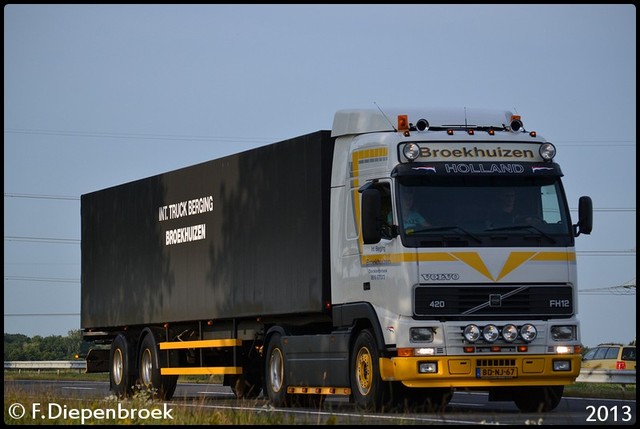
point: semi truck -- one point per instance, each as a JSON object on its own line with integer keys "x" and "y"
{"x": 394, "y": 259}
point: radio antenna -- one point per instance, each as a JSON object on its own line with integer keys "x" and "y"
{"x": 385, "y": 116}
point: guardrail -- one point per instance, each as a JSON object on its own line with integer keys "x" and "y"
{"x": 37, "y": 365}
{"x": 623, "y": 376}
{"x": 614, "y": 376}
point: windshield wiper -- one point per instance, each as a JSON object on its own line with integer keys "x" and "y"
{"x": 447, "y": 228}
{"x": 518, "y": 227}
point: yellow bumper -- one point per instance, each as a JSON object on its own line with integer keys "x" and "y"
{"x": 481, "y": 371}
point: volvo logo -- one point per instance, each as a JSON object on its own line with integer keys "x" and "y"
{"x": 434, "y": 277}
{"x": 495, "y": 300}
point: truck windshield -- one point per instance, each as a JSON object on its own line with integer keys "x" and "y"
{"x": 483, "y": 211}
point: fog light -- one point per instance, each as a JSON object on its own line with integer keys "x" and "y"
{"x": 427, "y": 367}
{"x": 562, "y": 365}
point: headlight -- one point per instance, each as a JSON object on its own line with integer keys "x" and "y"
{"x": 471, "y": 333}
{"x": 547, "y": 151}
{"x": 528, "y": 332}
{"x": 509, "y": 333}
{"x": 421, "y": 335}
{"x": 411, "y": 151}
{"x": 490, "y": 333}
{"x": 563, "y": 333}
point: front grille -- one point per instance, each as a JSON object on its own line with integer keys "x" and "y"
{"x": 453, "y": 301}
{"x": 483, "y": 363}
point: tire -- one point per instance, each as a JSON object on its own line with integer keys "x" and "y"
{"x": 150, "y": 361}
{"x": 368, "y": 391}
{"x": 275, "y": 373}
{"x": 538, "y": 399}
{"x": 122, "y": 374}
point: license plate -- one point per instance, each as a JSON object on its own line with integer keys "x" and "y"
{"x": 496, "y": 372}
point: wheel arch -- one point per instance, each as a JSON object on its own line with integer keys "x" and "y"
{"x": 359, "y": 316}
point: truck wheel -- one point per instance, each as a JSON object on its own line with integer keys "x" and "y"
{"x": 151, "y": 360}
{"x": 275, "y": 380}
{"x": 538, "y": 399}
{"x": 121, "y": 373}
{"x": 368, "y": 390}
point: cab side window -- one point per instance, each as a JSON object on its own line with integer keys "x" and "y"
{"x": 386, "y": 209}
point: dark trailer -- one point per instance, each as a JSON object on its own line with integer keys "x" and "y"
{"x": 243, "y": 236}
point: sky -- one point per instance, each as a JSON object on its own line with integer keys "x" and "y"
{"x": 100, "y": 95}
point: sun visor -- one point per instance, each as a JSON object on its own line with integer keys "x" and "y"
{"x": 477, "y": 169}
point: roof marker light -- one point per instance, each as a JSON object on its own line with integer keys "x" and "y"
{"x": 403, "y": 123}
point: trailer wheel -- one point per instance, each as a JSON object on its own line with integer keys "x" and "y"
{"x": 275, "y": 379}
{"x": 121, "y": 372}
{"x": 538, "y": 399}
{"x": 368, "y": 390}
{"x": 150, "y": 361}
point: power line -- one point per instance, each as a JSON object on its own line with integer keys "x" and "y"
{"x": 43, "y": 239}
{"x": 67, "y": 197}
{"x": 42, "y": 279}
{"x": 100, "y": 134}
{"x": 606, "y": 252}
{"x": 628, "y": 288}
{"x": 44, "y": 197}
{"x": 39, "y": 314}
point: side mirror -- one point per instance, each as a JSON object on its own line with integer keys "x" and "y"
{"x": 371, "y": 205}
{"x": 585, "y": 216}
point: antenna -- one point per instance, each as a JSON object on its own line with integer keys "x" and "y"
{"x": 385, "y": 116}
{"x": 465, "y": 116}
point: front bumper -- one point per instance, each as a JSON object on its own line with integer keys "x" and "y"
{"x": 483, "y": 370}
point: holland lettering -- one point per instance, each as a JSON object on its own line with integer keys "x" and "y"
{"x": 483, "y": 168}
